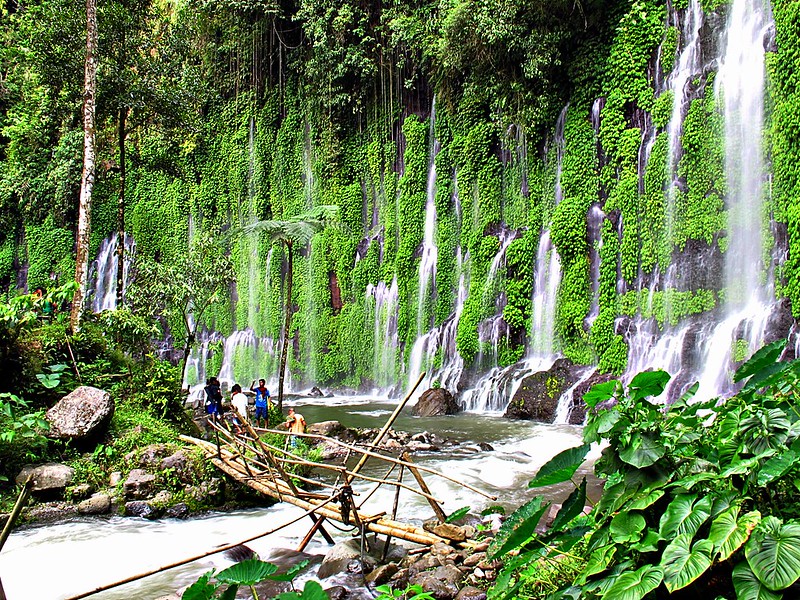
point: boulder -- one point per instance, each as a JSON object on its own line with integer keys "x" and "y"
{"x": 538, "y": 395}
{"x": 98, "y": 504}
{"x": 435, "y": 402}
{"x": 346, "y": 556}
{"x": 179, "y": 511}
{"x": 81, "y": 414}
{"x": 139, "y": 484}
{"x": 382, "y": 574}
{"x": 138, "y": 508}
{"x": 471, "y": 593}
{"x": 316, "y": 393}
{"x": 80, "y": 491}
{"x": 442, "y": 582}
{"x": 181, "y": 465}
{"x": 326, "y": 428}
{"x": 50, "y": 479}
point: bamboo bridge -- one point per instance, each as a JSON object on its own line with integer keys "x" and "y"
{"x": 267, "y": 469}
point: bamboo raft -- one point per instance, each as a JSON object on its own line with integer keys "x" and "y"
{"x": 248, "y": 459}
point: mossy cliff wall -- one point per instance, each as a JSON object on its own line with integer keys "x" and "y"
{"x": 275, "y": 150}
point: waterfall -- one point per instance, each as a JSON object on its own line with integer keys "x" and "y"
{"x": 430, "y": 253}
{"x": 103, "y": 274}
{"x": 252, "y": 240}
{"x": 383, "y": 301}
{"x": 547, "y": 276}
{"x": 594, "y": 223}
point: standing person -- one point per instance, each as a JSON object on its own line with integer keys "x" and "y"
{"x": 213, "y": 397}
{"x": 239, "y": 402}
{"x": 263, "y": 403}
{"x": 295, "y": 423}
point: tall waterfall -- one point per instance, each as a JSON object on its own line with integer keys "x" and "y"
{"x": 430, "y": 253}
{"x": 382, "y": 301}
{"x": 103, "y": 274}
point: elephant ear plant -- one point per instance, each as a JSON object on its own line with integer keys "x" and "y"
{"x": 701, "y": 496}
{"x": 225, "y": 584}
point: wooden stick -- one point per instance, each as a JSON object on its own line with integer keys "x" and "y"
{"x": 307, "y": 539}
{"x": 434, "y": 505}
{"x": 394, "y": 514}
{"x": 271, "y": 459}
{"x": 389, "y": 422}
{"x": 217, "y": 550}
{"x": 23, "y": 495}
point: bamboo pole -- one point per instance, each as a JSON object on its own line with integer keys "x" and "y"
{"x": 389, "y": 422}
{"x": 394, "y": 514}
{"x": 391, "y": 459}
{"x": 270, "y": 458}
{"x": 310, "y": 510}
{"x": 23, "y": 495}
{"x": 404, "y": 531}
{"x": 440, "y": 514}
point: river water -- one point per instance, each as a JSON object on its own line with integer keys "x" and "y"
{"x": 55, "y": 562}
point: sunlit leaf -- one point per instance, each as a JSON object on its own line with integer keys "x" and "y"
{"x": 627, "y": 527}
{"x": 248, "y": 572}
{"x": 635, "y": 585}
{"x": 201, "y": 589}
{"x": 777, "y": 467}
{"x": 561, "y": 467}
{"x": 518, "y": 527}
{"x": 729, "y": 533}
{"x": 648, "y": 384}
{"x": 748, "y": 587}
{"x": 600, "y": 393}
{"x": 683, "y": 563}
{"x": 642, "y": 451}
{"x": 760, "y": 359}
{"x": 773, "y": 552}
{"x": 685, "y": 514}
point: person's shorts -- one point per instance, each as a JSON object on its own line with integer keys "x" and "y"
{"x": 212, "y": 409}
{"x": 261, "y": 412}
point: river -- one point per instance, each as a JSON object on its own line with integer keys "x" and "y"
{"x": 55, "y": 562}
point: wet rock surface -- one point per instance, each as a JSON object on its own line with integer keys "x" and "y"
{"x": 435, "y": 402}
{"x": 538, "y": 395}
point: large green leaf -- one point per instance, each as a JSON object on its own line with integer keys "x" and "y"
{"x": 644, "y": 499}
{"x": 762, "y": 358}
{"x": 635, "y": 585}
{"x": 685, "y": 514}
{"x": 598, "y": 562}
{"x": 311, "y": 591}
{"x": 777, "y": 467}
{"x": 642, "y": 451}
{"x": 748, "y": 587}
{"x": 201, "y": 589}
{"x": 291, "y": 574}
{"x": 518, "y": 527}
{"x": 248, "y": 572}
{"x": 561, "y": 467}
{"x": 572, "y": 506}
{"x": 767, "y": 377}
{"x": 627, "y": 527}
{"x": 649, "y": 542}
{"x": 648, "y": 384}
{"x": 683, "y": 563}
{"x": 601, "y": 392}
{"x": 773, "y": 552}
{"x": 729, "y": 533}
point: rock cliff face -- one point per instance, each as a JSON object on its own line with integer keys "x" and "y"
{"x": 538, "y": 395}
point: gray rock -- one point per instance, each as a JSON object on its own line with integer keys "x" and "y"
{"x": 471, "y": 593}
{"x": 474, "y": 559}
{"x": 50, "y": 479}
{"x": 382, "y": 574}
{"x": 162, "y": 498}
{"x": 326, "y": 428}
{"x": 180, "y": 463}
{"x": 339, "y": 557}
{"x": 80, "y": 491}
{"x": 80, "y": 414}
{"x": 139, "y": 484}
{"x": 448, "y": 531}
{"x": 138, "y": 508}
{"x": 425, "y": 563}
{"x": 115, "y": 478}
{"x": 152, "y": 455}
{"x": 178, "y": 511}
{"x": 538, "y": 395}
{"x": 442, "y": 582}
{"x": 436, "y": 402}
{"x": 98, "y": 504}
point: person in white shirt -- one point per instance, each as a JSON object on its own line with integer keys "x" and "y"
{"x": 239, "y": 402}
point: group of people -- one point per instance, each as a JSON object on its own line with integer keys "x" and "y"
{"x": 295, "y": 422}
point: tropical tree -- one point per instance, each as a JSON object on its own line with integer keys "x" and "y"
{"x": 87, "y": 179}
{"x": 292, "y": 232}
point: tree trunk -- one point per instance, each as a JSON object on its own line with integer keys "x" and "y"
{"x": 287, "y": 325}
{"x": 87, "y": 178}
{"x": 123, "y": 113}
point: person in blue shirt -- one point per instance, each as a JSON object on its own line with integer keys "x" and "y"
{"x": 262, "y": 402}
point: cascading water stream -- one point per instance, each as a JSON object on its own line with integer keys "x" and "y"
{"x": 104, "y": 272}
{"x": 383, "y": 302}
{"x": 430, "y": 252}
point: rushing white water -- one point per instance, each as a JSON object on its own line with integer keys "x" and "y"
{"x": 103, "y": 276}
{"x": 84, "y": 554}
{"x": 430, "y": 252}
{"x": 547, "y": 277}
{"x": 382, "y": 302}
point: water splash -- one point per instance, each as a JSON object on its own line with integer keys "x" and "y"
{"x": 104, "y": 270}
